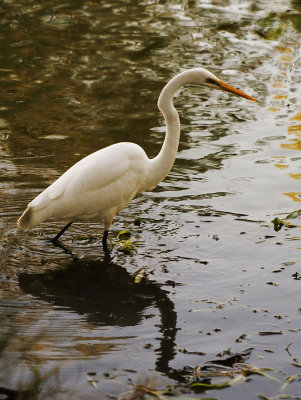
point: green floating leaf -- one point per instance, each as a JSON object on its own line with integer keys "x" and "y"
{"x": 210, "y": 385}
{"x": 208, "y": 398}
{"x": 273, "y": 33}
{"x": 141, "y": 275}
{"x": 262, "y": 397}
{"x": 279, "y": 223}
{"x": 93, "y": 382}
{"x": 293, "y": 215}
{"x": 126, "y": 246}
{"x": 259, "y": 371}
{"x": 123, "y": 235}
{"x": 287, "y": 382}
{"x": 232, "y": 382}
{"x": 295, "y": 364}
{"x": 124, "y": 242}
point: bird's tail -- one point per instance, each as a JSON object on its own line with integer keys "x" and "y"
{"x": 31, "y": 218}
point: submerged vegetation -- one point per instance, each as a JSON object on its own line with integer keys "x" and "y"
{"x": 217, "y": 374}
{"x": 226, "y": 370}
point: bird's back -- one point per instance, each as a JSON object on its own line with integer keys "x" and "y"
{"x": 97, "y": 186}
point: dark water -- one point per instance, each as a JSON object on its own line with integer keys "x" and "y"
{"x": 76, "y": 76}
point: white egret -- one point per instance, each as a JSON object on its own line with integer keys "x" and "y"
{"x": 103, "y": 183}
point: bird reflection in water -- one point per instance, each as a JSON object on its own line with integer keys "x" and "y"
{"x": 106, "y": 294}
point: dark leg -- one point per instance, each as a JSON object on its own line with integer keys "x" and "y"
{"x": 55, "y": 239}
{"x": 65, "y": 249}
{"x": 104, "y": 240}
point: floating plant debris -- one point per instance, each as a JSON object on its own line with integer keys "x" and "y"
{"x": 280, "y": 222}
{"x": 124, "y": 242}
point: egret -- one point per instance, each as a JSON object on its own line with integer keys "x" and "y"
{"x": 100, "y": 185}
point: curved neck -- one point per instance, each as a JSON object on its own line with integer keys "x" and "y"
{"x": 163, "y": 162}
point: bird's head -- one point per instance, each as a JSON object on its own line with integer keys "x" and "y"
{"x": 201, "y": 76}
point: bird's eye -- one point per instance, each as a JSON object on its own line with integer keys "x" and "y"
{"x": 212, "y": 81}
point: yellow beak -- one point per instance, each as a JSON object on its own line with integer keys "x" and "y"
{"x": 232, "y": 89}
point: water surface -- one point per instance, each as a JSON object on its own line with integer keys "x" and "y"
{"x": 78, "y": 76}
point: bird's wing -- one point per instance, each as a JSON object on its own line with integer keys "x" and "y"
{"x": 117, "y": 167}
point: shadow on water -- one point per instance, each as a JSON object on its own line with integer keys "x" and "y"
{"x": 108, "y": 296}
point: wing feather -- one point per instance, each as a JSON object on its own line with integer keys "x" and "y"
{"x": 108, "y": 178}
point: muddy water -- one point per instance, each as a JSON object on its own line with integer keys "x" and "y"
{"x": 78, "y": 76}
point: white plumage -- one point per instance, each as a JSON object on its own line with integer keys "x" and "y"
{"x": 103, "y": 183}
{"x": 96, "y": 187}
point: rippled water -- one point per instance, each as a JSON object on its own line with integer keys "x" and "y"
{"x": 78, "y": 76}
